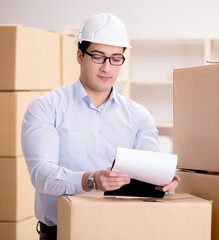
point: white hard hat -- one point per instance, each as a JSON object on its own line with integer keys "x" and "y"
{"x": 104, "y": 28}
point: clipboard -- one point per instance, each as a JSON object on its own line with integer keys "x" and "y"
{"x": 136, "y": 188}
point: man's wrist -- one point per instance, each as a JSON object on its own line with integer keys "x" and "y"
{"x": 88, "y": 181}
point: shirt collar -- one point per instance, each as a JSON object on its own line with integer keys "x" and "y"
{"x": 81, "y": 93}
{"x": 113, "y": 96}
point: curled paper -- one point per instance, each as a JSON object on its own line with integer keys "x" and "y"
{"x": 151, "y": 167}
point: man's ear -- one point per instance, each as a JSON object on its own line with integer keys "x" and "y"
{"x": 79, "y": 56}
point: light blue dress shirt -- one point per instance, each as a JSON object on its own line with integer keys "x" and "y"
{"x": 63, "y": 135}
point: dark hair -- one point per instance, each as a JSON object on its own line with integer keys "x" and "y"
{"x": 85, "y": 44}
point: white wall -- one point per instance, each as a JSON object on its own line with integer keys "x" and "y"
{"x": 142, "y": 17}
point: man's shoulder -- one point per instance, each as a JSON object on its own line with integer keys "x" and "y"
{"x": 129, "y": 103}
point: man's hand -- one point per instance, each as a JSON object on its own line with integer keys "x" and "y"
{"x": 171, "y": 186}
{"x": 107, "y": 180}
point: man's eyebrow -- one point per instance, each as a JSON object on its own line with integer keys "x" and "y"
{"x": 102, "y": 53}
{"x": 97, "y": 51}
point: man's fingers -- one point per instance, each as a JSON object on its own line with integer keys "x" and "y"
{"x": 171, "y": 186}
{"x": 110, "y": 180}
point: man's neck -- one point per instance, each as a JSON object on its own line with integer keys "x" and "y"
{"x": 99, "y": 98}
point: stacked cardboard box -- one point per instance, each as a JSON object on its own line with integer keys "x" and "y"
{"x": 195, "y": 133}
{"x": 30, "y": 58}
{"x": 70, "y": 67}
{"x": 93, "y": 216}
{"x": 29, "y": 65}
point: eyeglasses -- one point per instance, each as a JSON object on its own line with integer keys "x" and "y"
{"x": 115, "y": 60}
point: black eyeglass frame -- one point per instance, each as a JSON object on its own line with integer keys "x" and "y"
{"x": 104, "y": 59}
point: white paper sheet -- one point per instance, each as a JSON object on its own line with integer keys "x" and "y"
{"x": 151, "y": 167}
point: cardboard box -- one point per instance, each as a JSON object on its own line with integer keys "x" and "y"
{"x": 204, "y": 186}
{"x": 92, "y": 216}
{"x": 12, "y": 108}
{"x": 22, "y": 230}
{"x": 29, "y": 59}
{"x": 70, "y": 68}
{"x": 196, "y": 117}
{"x": 17, "y": 192}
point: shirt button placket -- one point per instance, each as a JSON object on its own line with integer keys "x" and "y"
{"x": 100, "y": 140}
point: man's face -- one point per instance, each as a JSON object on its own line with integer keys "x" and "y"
{"x": 96, "y": 77}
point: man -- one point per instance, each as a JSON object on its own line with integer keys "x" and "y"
{"x": 70, "y": 135}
